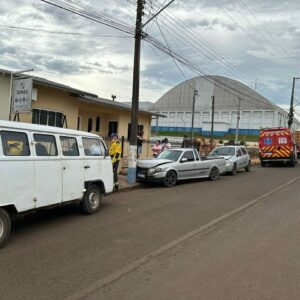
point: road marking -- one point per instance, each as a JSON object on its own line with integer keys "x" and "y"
{"x": 136, "y": 264}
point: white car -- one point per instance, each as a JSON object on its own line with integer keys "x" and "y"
{"x": 237, "y": 158}
{"x": 178, "y": 164}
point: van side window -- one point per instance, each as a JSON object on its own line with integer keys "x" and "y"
{"x": 93, "y": 147}
{"x": 45, "y": 145}
{"x": 15, "y": 143}
{"x": 69, "y": 146}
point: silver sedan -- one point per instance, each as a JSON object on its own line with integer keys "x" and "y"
{"x": 236, "y": 157}
{"x": 178, "y": 164}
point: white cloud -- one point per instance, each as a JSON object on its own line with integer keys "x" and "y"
{"x": 221, "y": 43}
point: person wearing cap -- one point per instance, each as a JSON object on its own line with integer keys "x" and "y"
{"x": 115, "y": 152}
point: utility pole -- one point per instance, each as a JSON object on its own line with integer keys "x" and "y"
{"x": 136, "y": 88}
{"x": 237, "y": 122}
{"x": 212, "y": 121}
{"x": 135, "y": 94}
{"x": 193, "y": 113}
{"x": 291, "y": 113}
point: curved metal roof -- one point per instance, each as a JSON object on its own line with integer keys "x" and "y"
{"x": 226, "y": 91}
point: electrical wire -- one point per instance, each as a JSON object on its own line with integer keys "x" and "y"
{"x": 84, "y": 34}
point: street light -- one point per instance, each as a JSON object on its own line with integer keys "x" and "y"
{"x": 11, "y": 87}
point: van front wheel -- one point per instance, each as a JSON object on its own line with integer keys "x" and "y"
{"x": 5, "y": 227}
{"x": 91, "y": 200}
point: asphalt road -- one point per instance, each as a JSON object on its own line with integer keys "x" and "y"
{"x": 236, "y": 238}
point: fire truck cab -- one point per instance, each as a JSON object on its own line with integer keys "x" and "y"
{"x": 277, "y": 145}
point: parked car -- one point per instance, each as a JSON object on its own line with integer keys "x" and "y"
{"x": 43, "y": 166}
{"x": 237, "y": 158}
{"x": 277, "y": 145}
{"x": 178, "y": 164}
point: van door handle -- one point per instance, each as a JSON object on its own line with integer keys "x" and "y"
{"x": 64, "y": 168}
{"x": 86, "y": 167}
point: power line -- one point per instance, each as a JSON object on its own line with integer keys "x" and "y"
{"x": 88, "y": 13}
{"x": 56, "y": 32}
{"x": 194, "y": 39}
{"x": 265, "y": 29}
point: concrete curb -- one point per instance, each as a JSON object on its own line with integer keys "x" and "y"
{"x": 129, "y": 187}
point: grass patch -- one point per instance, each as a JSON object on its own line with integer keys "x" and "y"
{"x": 247, "y": 138}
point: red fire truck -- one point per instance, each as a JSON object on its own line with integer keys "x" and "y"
{"x": 277, "y": 145}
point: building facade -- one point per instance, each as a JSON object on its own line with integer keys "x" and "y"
{"x": 59, "y": 105}
{"x": 231, "y": 98}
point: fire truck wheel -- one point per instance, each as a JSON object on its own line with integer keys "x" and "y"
{"x": 263, "y": 164}
{"x": 292, "y": 164}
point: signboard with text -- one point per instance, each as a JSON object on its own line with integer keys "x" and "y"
{"x": 21, "y": 95}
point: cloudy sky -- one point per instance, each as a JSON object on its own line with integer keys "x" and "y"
{"x": 256, "y": 42}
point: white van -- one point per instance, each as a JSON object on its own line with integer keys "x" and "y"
{"x": 48, "y": 166}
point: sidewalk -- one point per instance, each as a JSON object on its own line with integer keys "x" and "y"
{"x": 124, "y": 185}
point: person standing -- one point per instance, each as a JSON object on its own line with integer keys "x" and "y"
{"x": 115, "y": 152}
{"x": 185, "y": 142}
{"x": 156, "y": 149}
{"x": 140, "y": 139}
{"x": 165, "y": 144}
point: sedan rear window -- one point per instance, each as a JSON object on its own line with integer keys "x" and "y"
{"x": 227, "y": 151}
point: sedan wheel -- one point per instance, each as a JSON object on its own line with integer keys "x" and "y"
{"x": 214, "y": 174}
{"x": 171, "y": 179}
{"x": 234, "y": 170}
{"x": 248, "y": 166}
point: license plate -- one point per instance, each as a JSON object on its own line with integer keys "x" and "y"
{"x": 141, "y": 175}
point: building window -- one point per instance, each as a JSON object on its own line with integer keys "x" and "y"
{"x": 47, "y": 117}
{"x": 97, "y": 124}
{"x": 112, "y": 127}
{"x": 90, "y": 124}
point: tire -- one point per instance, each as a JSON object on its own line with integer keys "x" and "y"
{"x": 170, "y": 179}
{"x": 248, "y": 166}
{"x": 263, "y": 164}
{"x": 292, "y": 163}
{"x": 92, "y": 200}
{"x": 234, "y": 170}
{"x": 5, "y": 227}
{"x": 214, "y": 174}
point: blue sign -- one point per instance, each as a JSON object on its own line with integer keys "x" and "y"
{"x": 268, "y": 141}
